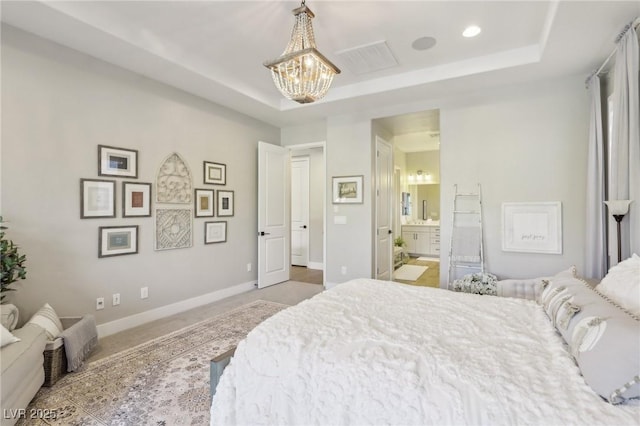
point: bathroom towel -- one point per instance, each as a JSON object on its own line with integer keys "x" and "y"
{"x": 466, "y": 244}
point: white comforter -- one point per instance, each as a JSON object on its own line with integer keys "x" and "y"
{"x": 375, "y": 352}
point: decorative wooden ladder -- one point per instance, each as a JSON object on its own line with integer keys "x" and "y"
{"x": 466, "y": 247}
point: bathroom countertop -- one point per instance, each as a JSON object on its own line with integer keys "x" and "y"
{"x": 424, "y": 223}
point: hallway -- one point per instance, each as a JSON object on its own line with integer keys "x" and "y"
{"x": 306, "y": 275}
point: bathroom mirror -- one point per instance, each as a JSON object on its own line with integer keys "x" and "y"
{"x": 426, "y": 200}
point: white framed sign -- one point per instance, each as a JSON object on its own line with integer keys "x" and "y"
{"x": 532, "y": 227}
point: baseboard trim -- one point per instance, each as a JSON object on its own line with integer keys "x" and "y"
{"x": 329, "y": 285}
{"x": 135, "y": 320}
{"x": 315, "y": 265}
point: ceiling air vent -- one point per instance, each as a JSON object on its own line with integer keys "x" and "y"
{"x": 368, "y": 58}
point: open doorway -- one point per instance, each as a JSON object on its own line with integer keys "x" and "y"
{"x": 308, "y": 181}
{"x": 416, "y": 198}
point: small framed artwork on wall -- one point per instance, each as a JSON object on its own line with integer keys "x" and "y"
{"x": 347, "y": 189}
{"x": 97, "y": 198}
{"x": 136, "y": 199}
{"x": 117, "y": 240}
{"x": 225, "y": 203}
{"x": 204, "y": 203}
{"x": 215, "y": 232}
{"x": 119, "y": 162}
{"x": 215, "y": 173}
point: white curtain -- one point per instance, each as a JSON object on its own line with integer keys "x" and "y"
{"x": 596, "y": 257}
{"x": 625, "y": 145}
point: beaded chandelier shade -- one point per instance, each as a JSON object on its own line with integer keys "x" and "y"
{"x": 302, "y": 73}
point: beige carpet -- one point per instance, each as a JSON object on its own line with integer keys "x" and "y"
{"x": 162, "y": 382}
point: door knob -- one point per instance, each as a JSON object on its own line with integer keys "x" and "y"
{"x": 262, "y": 233}
{"x": 304, "y": 226}
{"x": 390, "y": 231}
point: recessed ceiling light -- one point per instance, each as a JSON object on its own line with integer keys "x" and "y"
{"x": 423, "y": 43}
{"x": 471, "y": 31}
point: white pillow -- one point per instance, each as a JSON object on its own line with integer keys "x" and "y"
{"x": 6, "y": 337}
{"x": 622, "y": 284}
{"x": 9, "y": 316}
{"x": 544, "y": 281}
{"x": 47, "y": 318}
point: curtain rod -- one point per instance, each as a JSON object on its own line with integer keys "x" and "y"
{"x": 634, "y": 25}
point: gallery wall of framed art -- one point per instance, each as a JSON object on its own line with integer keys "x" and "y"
{"x": 177, "y": 204}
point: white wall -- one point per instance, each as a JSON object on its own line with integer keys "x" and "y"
{"x": 400, "y": 161}
{"x": 316, "y": 202}
{"x": 524, "y": 143}
{"x": 316, "y": 206}
{"x": 306, "y": 133}
{"x": 57, "y": 106}
{"x": 300, "y": 135}
{"x": 349, "y": 153}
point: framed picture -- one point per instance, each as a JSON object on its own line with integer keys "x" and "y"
{"x": 215, "y": 232}
{"x": 117, "y": 240}
{"x": 204, "y": 202}
{"x": 347, "y": 189}
{"x": 136, "y": 199}
{"x": 117, "y": 162}
{"x": 173, "y": 181}
{"x": 97, "y": 198}
{"x": 225, "y": 203}
{"x": 532, "y": 227}
{"x": 174, "y": 228}
{"x": 215, "y": 173}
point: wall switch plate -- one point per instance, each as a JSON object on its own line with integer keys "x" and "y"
{"x": 144, "y": 292}
{"x": 248, "y": 267}
{"x": 99, "y": 303}
{"x": 343, "y": 270}
{"x": 340, "y": 220}
{"x": 116, "y": 299}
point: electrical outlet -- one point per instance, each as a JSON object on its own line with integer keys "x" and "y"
{"x": 144, "y": 292}
{"x": 343, "y": 270}
{"x": 99, "y": 303}
{"x": 116, "y": 299}
{"x": 248, "y": 267}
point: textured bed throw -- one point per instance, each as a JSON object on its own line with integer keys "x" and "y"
{"x": 370, "y": 352}
{"x": 79, "y": 340}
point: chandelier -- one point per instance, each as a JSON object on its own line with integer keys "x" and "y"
{"x": 302, "y": 74}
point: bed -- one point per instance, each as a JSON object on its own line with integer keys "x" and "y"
{"x": 377, "y": 352}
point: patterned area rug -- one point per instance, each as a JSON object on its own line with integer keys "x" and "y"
{"x": 162, "y": 382}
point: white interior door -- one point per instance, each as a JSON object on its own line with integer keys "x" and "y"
{"x": 300, "y": 211}
{"x": 273, "y": 215}
{"x": 384, "y": 198}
